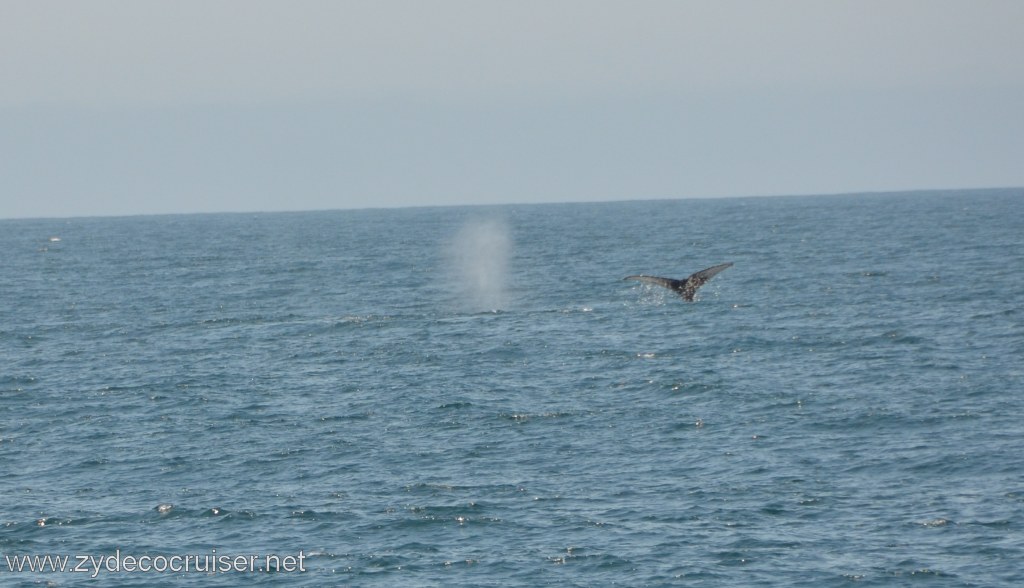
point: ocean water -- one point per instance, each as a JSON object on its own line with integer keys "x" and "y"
{"x": 474, "y": 397}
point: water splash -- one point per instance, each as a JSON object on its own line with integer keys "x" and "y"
{"x": 478, "y": 258}
{"x": 648, "y": 295}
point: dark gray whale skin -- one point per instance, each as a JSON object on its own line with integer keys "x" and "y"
{"x": 686, "y": 288}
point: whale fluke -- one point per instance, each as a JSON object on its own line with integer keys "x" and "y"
{"x": 686, "y": 288}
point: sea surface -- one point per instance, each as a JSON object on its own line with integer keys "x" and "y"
{"x": 473, "y": 396}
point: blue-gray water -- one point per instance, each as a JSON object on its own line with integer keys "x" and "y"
{"x": 473, "y": 396}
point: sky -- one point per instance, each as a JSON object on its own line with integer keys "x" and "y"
{"x": 123, "y": 107}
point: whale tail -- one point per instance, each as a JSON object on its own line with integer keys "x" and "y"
{"x": 686, "y": 288}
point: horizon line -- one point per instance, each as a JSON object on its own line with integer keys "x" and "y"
{"x": 882, "y": 192}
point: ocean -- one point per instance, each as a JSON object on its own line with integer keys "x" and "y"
{"x": 473, "y": 396}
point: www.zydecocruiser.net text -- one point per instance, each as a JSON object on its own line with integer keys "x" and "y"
{"x": 212, "y": 562}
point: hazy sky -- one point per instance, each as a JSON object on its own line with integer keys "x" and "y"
{"x": 131, "y": 106}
